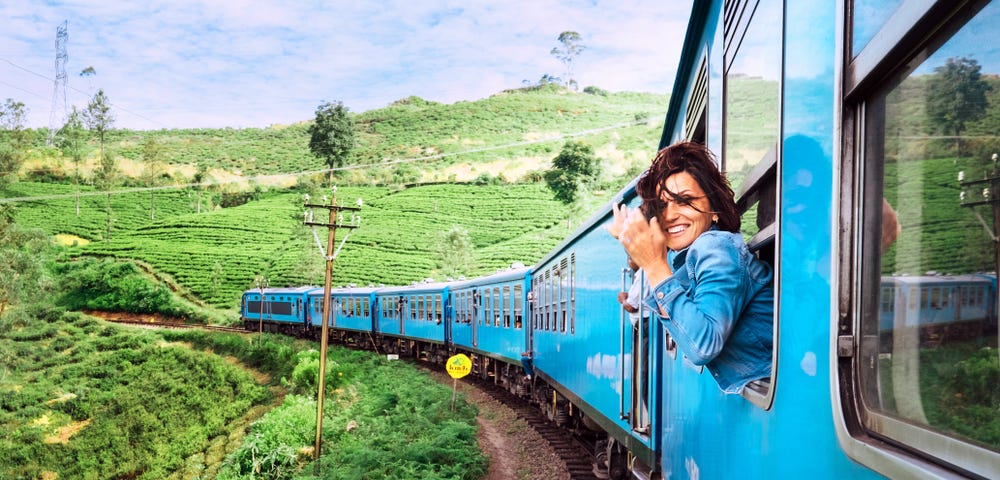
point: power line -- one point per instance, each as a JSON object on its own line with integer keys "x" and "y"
{"x": 277, "y": 176}
{"x": 113, "y": 105}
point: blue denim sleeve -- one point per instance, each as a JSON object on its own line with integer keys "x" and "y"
{"x": 700, "y": 303}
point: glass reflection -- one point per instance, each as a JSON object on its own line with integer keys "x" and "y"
{"x": 869, "y": 16}
{"x": 753, "y": 93}
{"x": 934, "y": 339}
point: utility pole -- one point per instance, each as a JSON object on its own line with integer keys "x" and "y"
{"x": 988, "y": 195}
{"x": 336, "y": 221}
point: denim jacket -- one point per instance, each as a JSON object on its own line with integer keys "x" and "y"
{"x": 719, "y": 306}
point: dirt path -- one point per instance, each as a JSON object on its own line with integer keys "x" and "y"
{"x": 515, "y": 450}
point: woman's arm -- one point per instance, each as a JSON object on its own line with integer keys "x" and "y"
{"x": 700, "y": 314}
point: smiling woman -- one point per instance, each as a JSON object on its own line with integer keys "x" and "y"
{"x": 712, "y": 295}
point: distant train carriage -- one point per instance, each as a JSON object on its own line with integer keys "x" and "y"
{"x": 412, "y": 320}
{"x": 352, "y": 310}
{"x": 282, "y": 310}
{"x": 957, "y": 306}
{"x": 489, "y": 321}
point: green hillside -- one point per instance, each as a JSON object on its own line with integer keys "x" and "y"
{"x": 217, "y": 254}
{"x": 473, "y": 165}
{"x": 510, "y": 133}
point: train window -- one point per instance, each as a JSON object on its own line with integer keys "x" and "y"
{"x": 572, "y": 294}
{"x": 505, "y": 306}
{"x": 928, "y": 160}
{"x": 752, "y": 108}
{"x": 564, "y": 275}
{"x": 497, "y": 307}
{"x": 518, "y": 306}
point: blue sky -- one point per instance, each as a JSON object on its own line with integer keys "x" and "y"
{"x": 244, "y": 63}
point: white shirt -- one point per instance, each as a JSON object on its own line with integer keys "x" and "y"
{"x": 634, "y": 299}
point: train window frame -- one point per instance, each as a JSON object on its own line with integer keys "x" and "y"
{"x": 518, "y": 306}
{"x": 741, "y": 22}
{"x": 572, "y": 293}
{"x": 890, "y": 445}
{"x": 505, "y": 305}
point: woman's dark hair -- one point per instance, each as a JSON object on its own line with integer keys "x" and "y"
{"x": 698, "y": 161}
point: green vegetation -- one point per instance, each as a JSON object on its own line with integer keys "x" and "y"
{"x": 85, "y": 399}
{"x": 80, "y": 398}
{"x": 959, "y": 384}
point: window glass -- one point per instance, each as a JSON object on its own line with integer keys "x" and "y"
{"x": 518, "y": 306}
{"x": 505, "y": 306}
{"x": 497, "y": 308}
{"x": 869, "y": 16}
{"x": 753, "y": 93}
{"x": 933, "y": 348}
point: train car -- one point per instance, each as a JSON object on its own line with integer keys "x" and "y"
{"x": 582, "y": 346}
{"x": 283, "y": 310}
{"x": 939, "y": 308}
{"x": 352, "y": 312}
{"x": 413, "y": 320}
{"x": 833, "y": 123}
{"x": 489, "y": 321}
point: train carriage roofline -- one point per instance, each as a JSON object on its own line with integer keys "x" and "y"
{"x": 510, "y": 274}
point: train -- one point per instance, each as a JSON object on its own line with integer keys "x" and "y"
{"x": 810, "y": 107}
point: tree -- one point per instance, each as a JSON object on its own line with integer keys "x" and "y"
{"x": 455, "y": 252}
{"x": 956, "y": 95}
{"x": 97, "y": 116}
{"x": 331, "y": 136}
{"x": 71, "y": 139}
{"x": 152, "y": 153}
{"x": 574, "y": 167}
{"x": 200, "y": 176}
{"x": 571, "y": 48}
{"x": 13, "y": 140}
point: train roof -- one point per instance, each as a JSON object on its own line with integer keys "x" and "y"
{"x": 347, "y": 291}
{"x": 430, "y": 287}
{"x": 283, "y": 290}
{"x": 506, "y": 275}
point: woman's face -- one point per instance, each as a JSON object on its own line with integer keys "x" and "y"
{"x": 686, "y": 215}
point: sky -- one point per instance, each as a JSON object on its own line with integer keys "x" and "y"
{"x": 257, "y": 63}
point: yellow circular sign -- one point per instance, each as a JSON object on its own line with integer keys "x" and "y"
{"x": 459, "y": 366}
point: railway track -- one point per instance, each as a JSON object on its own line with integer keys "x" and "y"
{"x": 577, "y": 458}
{"x": 177, "y": 325}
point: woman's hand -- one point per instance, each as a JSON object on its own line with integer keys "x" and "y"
{"x": 645, "y": 242}
{"x": 618, "y": 224}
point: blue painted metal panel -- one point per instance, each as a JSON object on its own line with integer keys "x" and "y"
{"x": 287, "y": 305}
{"x": 498, "y": 335}
{"x": 414, "y": 322}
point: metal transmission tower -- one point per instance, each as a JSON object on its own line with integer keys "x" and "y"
{"x": 58, "y": 113}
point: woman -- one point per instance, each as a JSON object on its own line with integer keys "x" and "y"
{"x": 714, "y": 297}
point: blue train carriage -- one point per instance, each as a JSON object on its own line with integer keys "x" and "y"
{"x": 352, "y": 311}
{"x": 810, "y": 106}
{"x": 937, "y": 309}
{"x": 282, "y": 310}
{"x": 413, "y": 320}
{"x": 490, "y": 323}
{"x": 587, "y": 356}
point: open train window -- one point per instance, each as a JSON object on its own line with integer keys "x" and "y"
{"x": 921, "y": 99}
{"x": 752, "y": 132}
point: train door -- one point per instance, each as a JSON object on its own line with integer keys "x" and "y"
{"x": 635, "y": 331}
{"x": 477, "y": 311}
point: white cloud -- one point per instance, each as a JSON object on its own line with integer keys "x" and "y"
{"x": 201, "y": 63}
